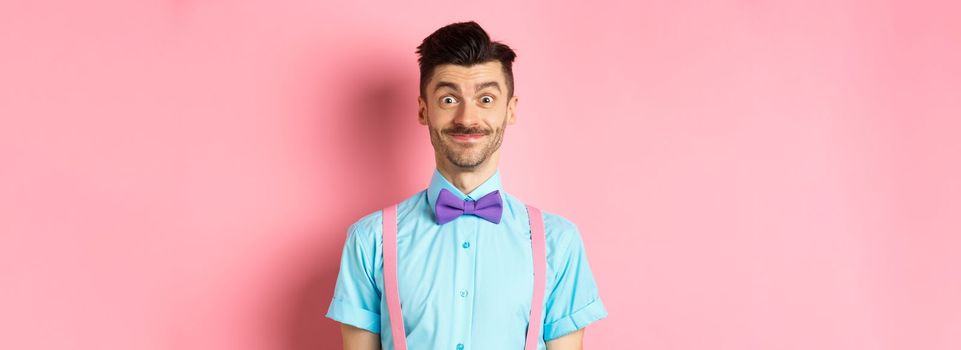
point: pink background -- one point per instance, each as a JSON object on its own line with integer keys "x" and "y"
{"x": 746, "y": 174}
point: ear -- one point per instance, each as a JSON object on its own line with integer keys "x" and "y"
{"x": 511, "y": 110}
{"x": 421, "y": 110}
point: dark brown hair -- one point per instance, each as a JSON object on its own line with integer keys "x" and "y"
{"x": 463, "y": 44}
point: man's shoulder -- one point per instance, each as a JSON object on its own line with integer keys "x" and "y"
{"x": 554, "y": 223}
{"x": 558, "y": 222}
{"x": 559, "y": 230}
{"x": 370, "y": 225}
{"x": 366, "y": 229}
{"x": 563, "y": 240}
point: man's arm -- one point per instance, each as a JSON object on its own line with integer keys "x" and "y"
{"x": 571, "y": 341}
{"x": 356, "y": 301}
{"x": 361, "y": 339}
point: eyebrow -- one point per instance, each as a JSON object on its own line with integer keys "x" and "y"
{"x": 480, "y": 86}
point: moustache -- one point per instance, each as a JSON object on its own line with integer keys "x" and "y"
{"x": 463, "y": 131}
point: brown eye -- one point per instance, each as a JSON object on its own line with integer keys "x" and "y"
{"x": 448, "y": 100}
{"x": 487, "y": 99}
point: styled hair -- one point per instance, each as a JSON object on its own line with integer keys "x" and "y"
{"x": 463, "y": 44}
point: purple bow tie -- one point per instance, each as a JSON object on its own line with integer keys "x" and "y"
{"x": 449, "y": 207}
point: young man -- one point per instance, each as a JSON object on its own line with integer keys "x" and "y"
{"x": 465, "y": 276}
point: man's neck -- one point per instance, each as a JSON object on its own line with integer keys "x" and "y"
{"x": 467, "y": 180}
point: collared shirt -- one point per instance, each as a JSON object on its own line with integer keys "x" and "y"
{"x": 466, "y": 284}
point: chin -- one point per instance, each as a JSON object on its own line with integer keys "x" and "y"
{"x": 467, "y": 164}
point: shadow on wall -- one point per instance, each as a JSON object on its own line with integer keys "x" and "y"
{"x": 371, "y": 119}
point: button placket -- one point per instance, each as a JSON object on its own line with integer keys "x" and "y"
{"x": 463, "y": 281}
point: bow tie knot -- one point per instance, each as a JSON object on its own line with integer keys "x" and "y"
{"x": 449, "y": 207}
{"x": 469, "y": 207}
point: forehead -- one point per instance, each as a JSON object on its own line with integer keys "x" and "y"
{"x": 467, "y": 77}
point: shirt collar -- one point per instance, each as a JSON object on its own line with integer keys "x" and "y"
{"x": 438, "y": 182}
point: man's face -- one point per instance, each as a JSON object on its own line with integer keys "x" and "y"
{"x": 466, "y": 110}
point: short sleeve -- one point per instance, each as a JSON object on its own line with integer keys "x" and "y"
{"x": 574, "y": 301}
{"x": 356, "y": 298}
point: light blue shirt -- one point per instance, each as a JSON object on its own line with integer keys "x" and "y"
{"x": 466, "y": 284}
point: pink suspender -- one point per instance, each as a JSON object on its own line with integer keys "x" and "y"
{"x": 390, "y": 278}
{"x": 540, "y": 276}
{"x": 393, "y": 296}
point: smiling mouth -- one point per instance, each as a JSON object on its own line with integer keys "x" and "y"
{"x": 466, "y": 137}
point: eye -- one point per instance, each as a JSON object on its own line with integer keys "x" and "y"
{"x": 487, "y": 99}
{"x": 448, "y": 100}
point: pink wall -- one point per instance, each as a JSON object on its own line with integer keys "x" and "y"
{"x": 748, "y": 175}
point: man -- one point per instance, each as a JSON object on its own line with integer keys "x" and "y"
{"x": 465, "y": 280}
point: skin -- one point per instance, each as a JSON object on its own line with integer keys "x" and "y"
{"x": 464, "y": 100}
{"x": 452, "y": 106}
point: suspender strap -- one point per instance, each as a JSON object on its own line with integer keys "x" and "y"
{"x": 540, "y": 277}
{"x": 390, "y": 278}
{"x": 393, "y": 294}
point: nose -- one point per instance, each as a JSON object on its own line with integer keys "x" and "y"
{"x": 467, "y": 115}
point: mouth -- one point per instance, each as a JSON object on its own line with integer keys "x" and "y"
{"x": 467, "y": 138}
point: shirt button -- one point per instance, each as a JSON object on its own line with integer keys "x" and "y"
{"x": 460, "y": 346}
{"x": 463, "y": 293}
{"x": 466, "y": 245}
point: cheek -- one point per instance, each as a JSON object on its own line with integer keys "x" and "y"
{"x": 440, "y": 114}
{"x": 439, "y": 120}
{"x": 495, "y": 116}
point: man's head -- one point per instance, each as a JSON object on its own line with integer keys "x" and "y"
{"x": 466, "y": 93}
